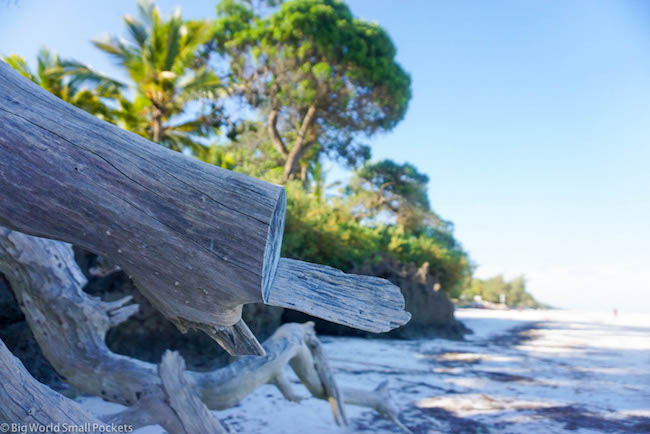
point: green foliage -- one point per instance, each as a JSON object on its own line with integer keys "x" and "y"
{"x": 329, "y": 232}
{"x": 69, "y": 80}
{"x": 176, "y": 92}
{"x": 322, "y": 76}
{"x": 491, "y": 290}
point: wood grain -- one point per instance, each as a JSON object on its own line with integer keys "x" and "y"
{"x": 198, "y": 240}
{"x": 24, "y": 401}
{"x": 364, "y": 302}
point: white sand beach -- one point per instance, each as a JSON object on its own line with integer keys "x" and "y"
{"x": 520, "y": 372}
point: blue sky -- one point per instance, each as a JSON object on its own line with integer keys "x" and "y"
{"x": 532, "y": 120}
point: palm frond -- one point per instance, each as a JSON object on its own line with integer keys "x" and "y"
{"x": 19, "y": 64}
{"x": 173, "y": 31}
{"x": 114, "y": 47}
{"x": 137, "y": 30}
{"x": 201, "y": 84}
{"x": 146, "y": 11}
{"x": 80, "y": 73}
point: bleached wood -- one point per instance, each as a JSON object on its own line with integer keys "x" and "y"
{"x": 330, "y": 387}
{"x": 364, "y": 302}
{"x": 70, "y": 327}
{"x": 177, "y": 410}
{"x": 199, "y": 240}
{"x": 25, "y": 401}
{"x": 193, "y": 414}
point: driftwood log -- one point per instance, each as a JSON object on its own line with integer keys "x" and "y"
{"x": 199, "y": 241}
{"x": 70, "y": 327}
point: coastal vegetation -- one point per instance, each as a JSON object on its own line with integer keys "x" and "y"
{"x": 278, "y": 92}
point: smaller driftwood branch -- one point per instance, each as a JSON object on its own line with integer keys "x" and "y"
{"x": 193, "y": 414}
{"x": 330, "y": 388}
{"x": 178, "y": 410}
{"x": 364, "y": 302}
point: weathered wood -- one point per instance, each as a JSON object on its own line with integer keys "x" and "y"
{"x": 178, "y": 410}
{"x": 364, "y": 302}
{"x": 193, "y": 414}
{"x": 331, "y": 389}
{"x": 70, "y": 327}
{"x": 198, "y": 240}
{"x": 149, "y": 410}
{"x": 25, "y": 401}
{"x": 379, "y": 400}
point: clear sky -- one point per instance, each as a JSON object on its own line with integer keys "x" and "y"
{"x": 532, "y": 120}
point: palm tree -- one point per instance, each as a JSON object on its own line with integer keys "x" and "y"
{"x": 71, "y": 81}
{"x": 174, "y": 90}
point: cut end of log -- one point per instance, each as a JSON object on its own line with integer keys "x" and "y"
{"x": 363, "y": 302}
{"x": 273, "y": 244}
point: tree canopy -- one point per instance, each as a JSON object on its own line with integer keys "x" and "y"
{"x": 492, "y": 289}
{"x": 395, "y": 189}
{"x": 323, "y": 78}
{"x": 175, "y": 100}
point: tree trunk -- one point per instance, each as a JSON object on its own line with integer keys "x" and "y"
{"x": 299, "y": 147}
{"x": 199, "y": 241}
{"x": 156, "y": 127}
{"x": 276, "y": 139}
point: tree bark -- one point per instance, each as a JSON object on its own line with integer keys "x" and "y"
{"x": 276, "y": 139}
{"x": 299, "y": 147}
{"x": 199, "y": 241}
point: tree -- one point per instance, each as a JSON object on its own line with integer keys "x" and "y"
{"x": 322, "y": 78}
{"x": 176, "y": 92}
{"x": 514, "y": 291}
{"x": 397, "y": 189}
{"x": 69, "y": 80}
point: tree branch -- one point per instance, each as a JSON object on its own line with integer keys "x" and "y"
{"x": 276, "y": 139}
{"x": 299, "y": 147}
{"x": 193, "y": 414}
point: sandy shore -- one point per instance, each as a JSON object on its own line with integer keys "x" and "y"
{"x": 521, "y": 372}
